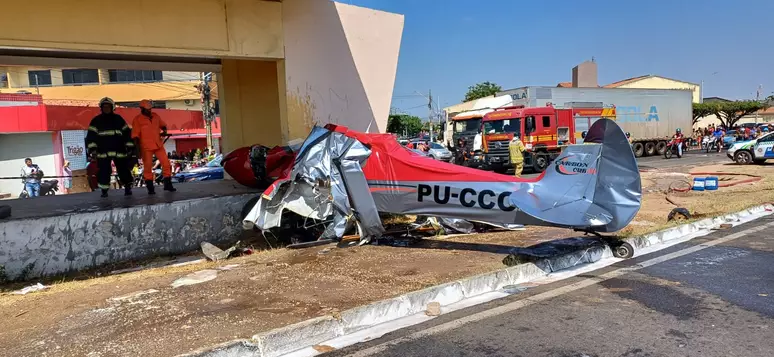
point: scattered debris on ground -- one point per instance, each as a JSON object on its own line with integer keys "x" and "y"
{"x": 198, "y": 277}
{"x": 433, "y": 309}
{"x": 215, "y": 254}
{"x": 323, "y": 348}
{"x": 30, "y": 289}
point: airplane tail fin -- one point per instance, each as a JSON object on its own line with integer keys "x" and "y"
{"x": 598, "y": 179}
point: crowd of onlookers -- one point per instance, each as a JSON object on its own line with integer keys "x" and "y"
{"x": 741, "y": 133}
{"x": 197, "y": 155}
{"x": 180, "y": 162}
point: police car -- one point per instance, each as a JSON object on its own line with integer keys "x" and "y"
{"x": 754, "y": 151}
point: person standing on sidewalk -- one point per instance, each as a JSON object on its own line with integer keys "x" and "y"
{"x": 32, "y": 175}
{"x": 147, "y": 129}
{"x": 109, "y": 137}
{"x": 67, "y": 182}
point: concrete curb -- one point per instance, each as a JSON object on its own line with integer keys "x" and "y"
{"x": 312, "y": 332}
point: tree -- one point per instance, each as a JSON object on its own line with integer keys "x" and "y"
{"x": 482, "y": 90}
{"x": 701, "y": 110}
{"x": 404, "y": 124}
{"x": 730, "y": 112}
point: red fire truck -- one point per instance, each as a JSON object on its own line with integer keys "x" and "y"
{"x": 543, "y": 130}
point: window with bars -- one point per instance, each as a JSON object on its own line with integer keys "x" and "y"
{"x": 39, "y": 78}
{"x": 80, "y": 76}
{"x": 128, "y": 76}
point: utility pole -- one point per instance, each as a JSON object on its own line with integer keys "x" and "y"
{"x": 430, "y": 112}
{"x": 207, "y": 110}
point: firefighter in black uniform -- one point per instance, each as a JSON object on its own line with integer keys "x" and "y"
{"x": 111, "y": 139}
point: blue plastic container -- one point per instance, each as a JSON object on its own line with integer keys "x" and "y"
{"x": 698, "y": 183}
{"x": 711, "y": 183}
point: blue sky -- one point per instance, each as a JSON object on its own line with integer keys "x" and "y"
{"x": 450, "y": 45}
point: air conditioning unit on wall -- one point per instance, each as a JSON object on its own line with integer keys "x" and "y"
{"x": 189, "y": 102}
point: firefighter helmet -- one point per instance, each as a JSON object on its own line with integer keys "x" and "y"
{"x": 107, "y": 100}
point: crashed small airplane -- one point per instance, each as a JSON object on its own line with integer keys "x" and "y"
{"x": 343, "y": 179}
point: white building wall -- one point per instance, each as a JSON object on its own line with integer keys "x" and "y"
{"x": 340, "y": 65}
{"x": 192, "y": 104}
{"x": 14, "y": 148}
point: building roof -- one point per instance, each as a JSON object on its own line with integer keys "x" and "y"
{"x": 639, "y": 78}
{"x": 17, "y": 97}
{"x": 564, "y": 85}
{"x": 715, "y": 99}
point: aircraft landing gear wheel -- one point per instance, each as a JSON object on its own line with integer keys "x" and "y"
{"x": 623, "y": 250}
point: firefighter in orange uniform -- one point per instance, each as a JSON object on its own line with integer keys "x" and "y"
{"x": 147, "y": 129}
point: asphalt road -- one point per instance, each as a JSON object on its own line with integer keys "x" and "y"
{"x": 711, "y": 297}
{"x": 694, "y": 157}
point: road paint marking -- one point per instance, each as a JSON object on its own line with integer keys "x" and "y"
{"x": 454, "y": 324}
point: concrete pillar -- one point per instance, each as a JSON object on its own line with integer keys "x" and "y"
{"x": 250, "y": 103}
{"x": 104, "y": 76}
{"x": 56, "y": 77}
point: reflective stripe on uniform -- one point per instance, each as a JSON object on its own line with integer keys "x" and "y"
{"x": 130, "y": 144}
{"x": 104, "y": 187}
{"x": 120, "y": 155}
{"x": 111, "y": 153}
{"x": 109, "y": 132}
{"x": 94, "y": 129}
{"x": 126, "y": 127}
{"x": 101, "y": 156}
{"x": 92, "y": 145}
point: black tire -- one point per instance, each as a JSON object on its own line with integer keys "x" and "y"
{"x": 5, "y": 212}
{"x": 743, "y": 157}
{"x": 24, "y": 195}
{"x": 678, "y": 214}
{"x": 661, "y": 147}
{"x": 638, "y": 149}
{"x": 623, "y": 250}
{"x": 668, "y": 153}
{"x": 249, "y": 206}
{"x": 433, "y": 157}
{"x": 541, "y": 162}
{"x": 650, "y": 148}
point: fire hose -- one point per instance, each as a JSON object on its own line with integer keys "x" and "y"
{"x": 750, "y": 179}
{"x": 679, "y": 211}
